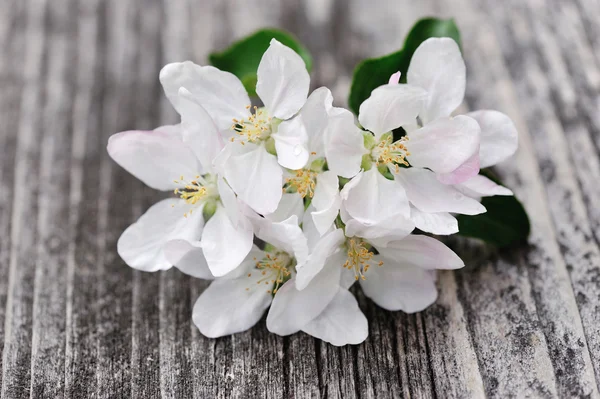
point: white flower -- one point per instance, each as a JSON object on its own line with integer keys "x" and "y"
{"x": 438, "y": 67}
{"x": 173, "y": 231}
{"x": 247, "y": 161}
{"x": 236, "y": 301}
{"x": 396, "y": 277}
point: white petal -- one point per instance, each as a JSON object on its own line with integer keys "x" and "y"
{"x": 341, "y": 323}
{"x": 310, "y": 229}
{"x": 290, "y": 204}
{"x": 220, "y": 93}
{"x": 292, "y": 309}
{"x": 463, "y": 173}
{"x": 318, "y": 257}
{"x": 437, "y": 66}
{"x": 480, "y": 186}
{"x": 301, "y": 137}
{"x": 286, "y": 235}
{"x": 229, "y": 201}
{"x": 395, "y": 286}
{"x": 441, "y": 223}
{"x": 391, "y": 106}
{"x": 375, "y": 198}
{"x": 326, "y": 201}
{"x": 395, "y": 227}
{"x": 282, "y": 81}
{"x": 225, "y": 246}
{"x": 141, "y": 244}
{"x": 344, "y": 145}
{"x": 421, "y": 251}
{"x": 499, "y": 137}
{"x": 291, "y": 143}
{"x": 188, "y": 258}
{"x": 255, "y": 176}
{"x": 427, "y": 194}
{"x": 199, "y": 130}
{"x": 226, "y": 307}
{"x": 157, "y": 157}
{"x": 444, "y": 144}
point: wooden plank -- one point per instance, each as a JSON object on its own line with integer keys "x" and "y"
{"x": 550, "y": 284}
{"x": 16, "y": 360}
{"x": 54, "y": 224}
{"x": 114, "y": 285}
{"x": 145, "y": 312}
{"x": 87, "y": 146}
{"x": 12, "y": 44}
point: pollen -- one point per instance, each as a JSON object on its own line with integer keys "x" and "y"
{"x": 253, "y": 129}
{"x": 360, "y": 258}
{"x": 304, "y": 181}
{"x": 274, "y": 270}
{"x": 193, "y": 191}
{"x": 387, "y": 152}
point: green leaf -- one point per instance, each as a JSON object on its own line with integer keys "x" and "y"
{"x": 374, "y": 72}
{"x": 242, "y": 57}
{"x": 505, "y": 222}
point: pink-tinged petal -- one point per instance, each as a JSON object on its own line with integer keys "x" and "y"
{"x": 391, "y": 106}
{"x": 282, "y": 81}
{"x": 341, "y": 322}
{"x": 157, "y": 157}
{"x": 437, "y": 66}
{"x": 255, "y": 176}
{"x": 220, "y": 93}
{"x": 395, "y": 286}
{"x": 444, "y": 144}
{"x": 395, "y": 78}
{"x": 344, "y": 144}
{"x": 427, "y": 194}
{"x": 442, "y": 223}
{"x": 499, "y": 137}
{"x": 463, "y": 173}
{"x": 225, "y": 246}
{"x": 142, "y": 244}
{"x": 421, "y": 251}
{"x": 480, "y": 186}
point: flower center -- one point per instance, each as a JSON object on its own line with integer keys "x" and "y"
{"x": 255, "y": 128}
{"x": 360, "y": 258}
{"x": 274, "y": 269}
{"x": 195, "y": 191}
{"x": 387, "y": 152}
{"x": 304, "y": 181}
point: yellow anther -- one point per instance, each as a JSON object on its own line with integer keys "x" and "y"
{"x": 359, "y": 258}
{"x": 387, "y": 152}
{"x": 304, "y": 181}
{"x": 252, "y": 129}
{"x": 275, "y": 270}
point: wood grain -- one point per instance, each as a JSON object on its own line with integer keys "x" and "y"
{"x": 76, "y": 322}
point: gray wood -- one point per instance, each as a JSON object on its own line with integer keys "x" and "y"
{"x": 76, "y": 322}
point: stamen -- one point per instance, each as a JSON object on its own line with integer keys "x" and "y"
{"x": 388, "y": 153}
{"x": 274, "y": 269}
{"x": 192, "y": 192}
{"x": 304, "y": 182}
{"x": 359, "y": 259}
{"x": 253, "y": 129}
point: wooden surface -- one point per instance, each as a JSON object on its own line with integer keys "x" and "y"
{"x": 76, "y": 322}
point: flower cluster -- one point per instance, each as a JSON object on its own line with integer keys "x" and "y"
{"x": 287, "y": 205}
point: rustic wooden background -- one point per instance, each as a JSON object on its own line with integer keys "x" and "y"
{"x": 76, "y": 322}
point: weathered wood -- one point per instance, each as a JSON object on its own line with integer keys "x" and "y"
{"x": 75, "y": 321}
